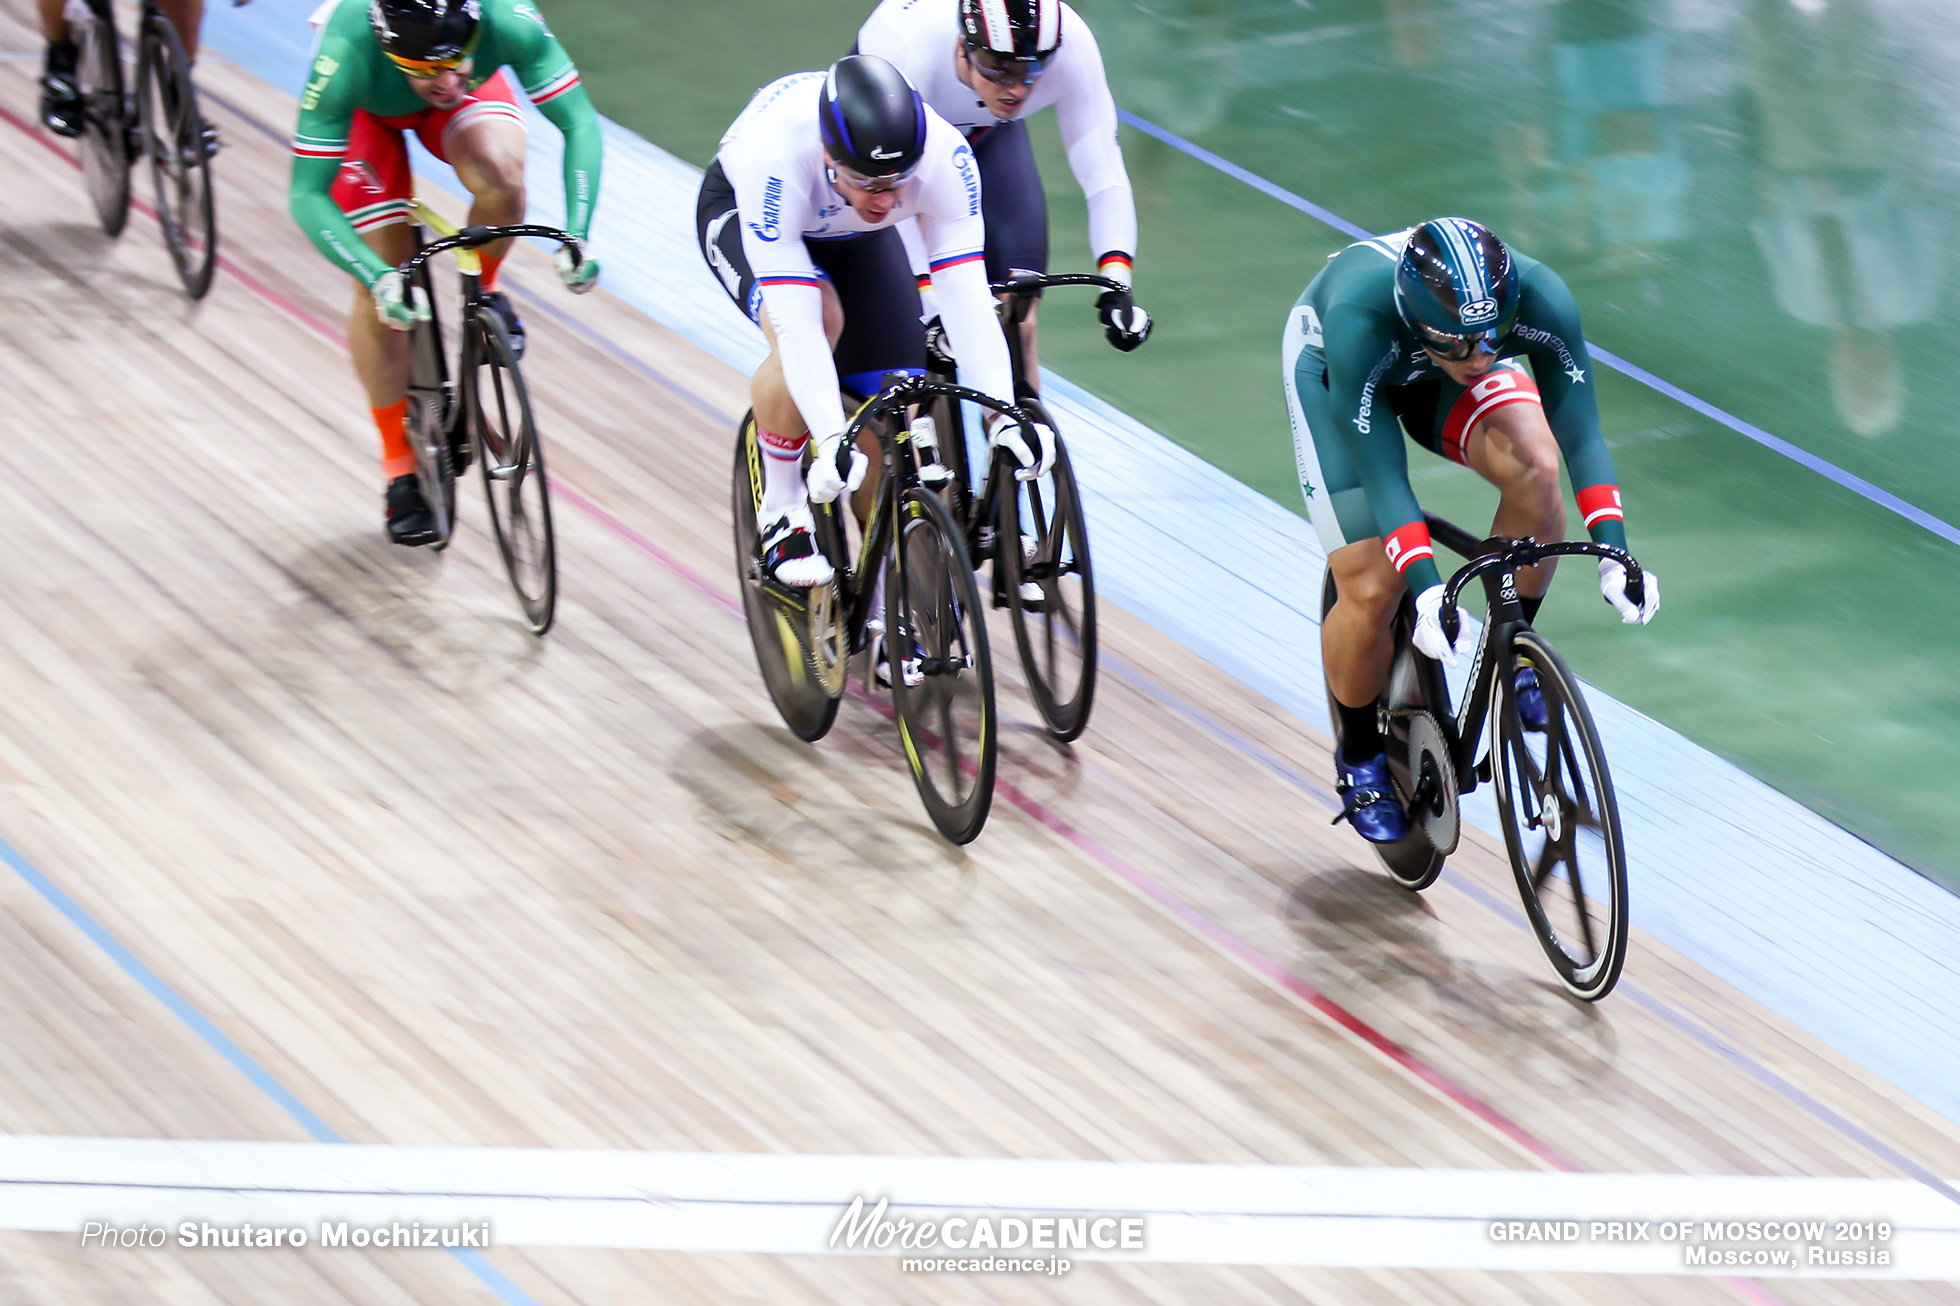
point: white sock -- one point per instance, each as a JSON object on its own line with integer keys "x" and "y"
{"x": 782, "y": 473}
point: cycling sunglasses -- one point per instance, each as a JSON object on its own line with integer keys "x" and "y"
{"x": 1007, "y": 69}
{"x": 869, "y": 185}
{"x": 1460, "y": 349}
{"x": 423, "y": 70}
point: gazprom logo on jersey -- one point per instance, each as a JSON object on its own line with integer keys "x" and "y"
{"x": 771, "y": 226}
{"x": 963, "y": 162}
{"x": 1477, "y": 312}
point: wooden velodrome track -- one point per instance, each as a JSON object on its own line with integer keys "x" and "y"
{"x": 452, "y": 885}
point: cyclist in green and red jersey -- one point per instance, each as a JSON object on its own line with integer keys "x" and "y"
{"x": 1427, "y": 331}
{"x": 433, "y": 67}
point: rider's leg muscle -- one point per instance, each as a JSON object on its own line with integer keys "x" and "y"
{"x": 1355, "y": 643}
{"x": 1513, "y": 448}
{"x": 380, "y": 353}
{"x": 487, "y": 152}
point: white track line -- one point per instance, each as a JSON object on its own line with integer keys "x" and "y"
{"x": 691, "y": 1201}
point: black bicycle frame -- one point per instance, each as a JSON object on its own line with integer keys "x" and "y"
{"x": 900, "y": 391}
{"x": 1495, "y": 562}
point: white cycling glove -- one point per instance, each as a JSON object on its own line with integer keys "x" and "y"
{"x": 1613, "y": 587}
{"x": 393, "y": 305}
{"x": 824, "y": 482}
{"x": 1038, "y": 461}
{"x": 578, "y": 277}
{"x": 1428, "y": 637}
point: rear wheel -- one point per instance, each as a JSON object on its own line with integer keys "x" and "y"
{"x": 105, "y": 118}
{"x": 1414, "y": 700}
{"x": 942, "y": 675}
{"x": 512, "y": 458}
{"x": 801, "y": 645}
{"x": 172, "y": 134}
{"x": 1561, "y": 823}
{"x": 1042, "y": 553}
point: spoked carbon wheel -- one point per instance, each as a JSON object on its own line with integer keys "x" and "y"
{"x": 1042, "y": 552}
{"x": 942, "y": 676}
{"x": 511, "y": 454}
{"x": 801, "y": 645}
{"x": 1413, "y": 692}
{"x": 1561, "y": 823}
{"x": 171, "y": 132}
{"x": 105, "y": 118}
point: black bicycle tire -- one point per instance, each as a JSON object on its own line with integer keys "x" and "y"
{"x": 1412, "y": 861}
{"x": 808, "y": 716}
{"x": 194, "y": 269}
{"x": 1064, "y": 720}
{"x": 1595, "y": 981}
{"x": 496, "y": 355}
{"x": 105, "y": 144}
{"x": 960, "y": 822}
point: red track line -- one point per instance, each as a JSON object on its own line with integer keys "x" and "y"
{"x": 1220, "y": 937}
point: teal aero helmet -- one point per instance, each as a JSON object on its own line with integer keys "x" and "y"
{"x": 1456, "y": 288}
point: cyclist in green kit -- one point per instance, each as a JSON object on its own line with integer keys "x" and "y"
{"x": 1427, "y": 331}
{"x": 434, "y": 67}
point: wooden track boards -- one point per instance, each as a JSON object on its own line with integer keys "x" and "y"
{"x": 451, "y": 885}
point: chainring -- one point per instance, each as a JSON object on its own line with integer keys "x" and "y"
{"x": 1432, "y": 789}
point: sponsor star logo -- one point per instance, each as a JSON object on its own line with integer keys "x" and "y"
{"x": 1577, "y": 373}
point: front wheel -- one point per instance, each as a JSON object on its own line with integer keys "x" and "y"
{"x": 1561, "y": 822}
{"x": 105, "y": 118}
{"x": 172, "y": 134}
{"x": 511, "y": 455}
{"x": 1042, "y": 554}
{"x": 942, "y": 674}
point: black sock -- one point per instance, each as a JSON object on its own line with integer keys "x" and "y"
{"x": 1531, "y": 606}
{"x": 1361, "y": 734}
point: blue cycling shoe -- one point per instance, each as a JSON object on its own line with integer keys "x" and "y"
{"x": 1531, "y": 700}
{"x": 1368, "y": 800}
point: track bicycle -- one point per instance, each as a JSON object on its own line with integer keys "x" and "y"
{"x": 1046, "y": 583}
{"x": 482, "y": 414}
{"x": 1554, "y": 793}
{"x": 932, "y": 621}
{"x": 157, "y": 120}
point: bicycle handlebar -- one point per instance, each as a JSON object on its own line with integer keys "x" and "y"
{"x": 1525, "y": 553}
{"x": 1028, "y": 282}
{"x": 902, "y": 390}
{"x": 477, "y": 237}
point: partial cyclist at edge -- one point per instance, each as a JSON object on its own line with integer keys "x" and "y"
{"x": 798, "y": 216}
{"x": 61, "y": 89}
{"x": 1428, "y": 331}
{"x": 984, "y": 66}
{"x": 433, "y": 67}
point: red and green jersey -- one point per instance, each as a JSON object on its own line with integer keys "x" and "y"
{"x": 350, "y": 73}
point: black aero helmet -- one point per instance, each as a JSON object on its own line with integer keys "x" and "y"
{"x": 425, "y": 36}
{"x": 872, "y": 120}
{"x": 1456, "y": 286}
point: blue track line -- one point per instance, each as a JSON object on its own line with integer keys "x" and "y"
{"x": 219, "y": 1042}
{"x": 1803, "y": 457}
